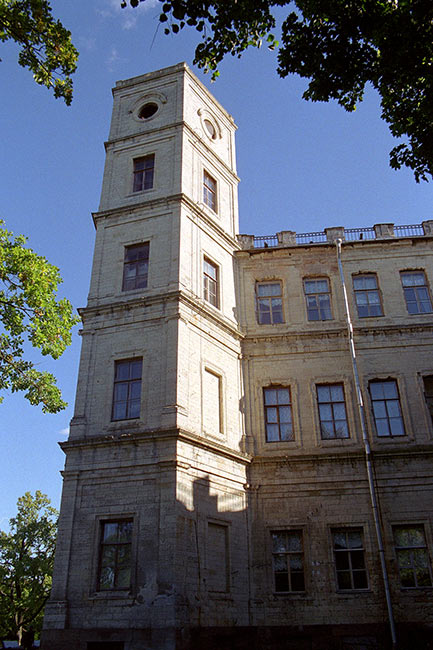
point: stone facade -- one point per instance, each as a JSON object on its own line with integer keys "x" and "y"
{"x": 215, "y": 487}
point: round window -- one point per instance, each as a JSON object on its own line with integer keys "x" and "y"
{"x": 147, "y": 110}
{"x": 210, "y": 129}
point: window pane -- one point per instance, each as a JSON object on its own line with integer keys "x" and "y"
{"x": 110, "y": 532}
{"x": 323, "y": 393}
{"x": 271, "y": 414}
{"x": 283, "y": 396}
{"x": 390, "y": 389}
{"x": 285, "y": 414}
{"x": 396, "y": 427}
{"x": 298, "y": 583}
{"x": 382, "y": 428}
{"x": 341, "y": 429}
{"x": 360, "y": 580}
{"x": 343, "y": 578}
{"x": 272, "y": 432}
{"x": 270, "y": 396}
{"x": 281, "y": 582}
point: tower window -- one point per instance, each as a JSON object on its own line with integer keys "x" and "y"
{"x": 143, "y": 173}
{"x": 127, "y": 390}
{"x": 209, "y": 191}
{"x": 136, "y": 266}
{"x": 318, "y": 299}
{"x": 115, "y": 555}
{"x": 210, "y": 282}
{"x": 146, "y": 111}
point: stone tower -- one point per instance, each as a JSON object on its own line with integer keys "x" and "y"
{"x": 153, "y": 514}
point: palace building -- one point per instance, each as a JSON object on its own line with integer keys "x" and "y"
{"x": 245, "y": 468}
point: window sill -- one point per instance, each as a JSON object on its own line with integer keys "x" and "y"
{"x": 352, "y": 593}
{"x": 124, "y": 596}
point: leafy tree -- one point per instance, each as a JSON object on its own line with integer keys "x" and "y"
{"x": 26, "y": 564}
{"x": 45, "y": 45}
{"x": 29, "y": 307}
{"x": 340, "y": 46}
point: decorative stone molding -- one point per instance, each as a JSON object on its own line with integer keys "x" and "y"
{"x": 384, "y": 230}
{"x": 286, "y": 237}
{"x": 332, "y": 234}
{"x": 246, "y": 241}
{"x": 428, "y": 227}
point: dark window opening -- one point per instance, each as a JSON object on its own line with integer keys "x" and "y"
{"x": 143, "y": 173}
{"x": 147, "y": 110}
{"x": 136, "y": 267}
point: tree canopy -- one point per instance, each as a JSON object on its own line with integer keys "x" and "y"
{"x": 26, "y": 565}
{"x": 45, "y": 45}
{"x": 29, "y": 308}
{"x": 340, "y": 46}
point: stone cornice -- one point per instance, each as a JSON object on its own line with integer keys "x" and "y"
{"x": 128, "y": 210}
{"x": 197, "y": 305}
{"x": 340, "y": 333}
{"x": 143, "y": 437}
{"x": 410, "y": 452}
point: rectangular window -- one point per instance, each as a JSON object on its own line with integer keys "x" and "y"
{"x": 212, "y": 402}
{"x": 416, "y": 292}
{"x": 386, "y": 408}
{"x": 278, "y": 413}
{"x": 210, "y": 282}
{"x": 318, "y": 298}
{"x": 127, "y": 389}
{"x": 115, "y": 555}
{"x": 143, "y": 173}
{"x": 269, "y": 303}
{"x": 218, "y": 558}
{"x": 288, "y": 560}
{"x": 428, "y": 393}
{"x": 349, "y": 559}
{"x": 367, "y": 296}
{"x": 332, "y": 411}
{"x": 412, "y": 557}
{"x": 135, "y": 267}
{"x": 209, "y": 191}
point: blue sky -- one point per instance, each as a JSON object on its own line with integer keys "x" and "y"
{"x": 303, "y": 167}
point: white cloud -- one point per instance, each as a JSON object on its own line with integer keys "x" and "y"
{"x": 113, "y": 59}
{"x": 129, "y": 16}
{"x": 64, "y": 432}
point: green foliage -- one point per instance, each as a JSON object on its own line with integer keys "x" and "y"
{"x": 29, "y": 308}
{"x": 340, "y": 46}
{"x": 45, "y": 45}
{"x": 26, "y": 565}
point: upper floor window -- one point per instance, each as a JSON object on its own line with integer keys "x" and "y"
{"x": 386, "y": 408}
{"x": 349, "y": 559}
{"x": 288, "y": 560}
{"x": 332, "y": 411}
{"x": 135, "y": 267}
{"x": 318, "y": 298}
{"x": 412, "y": 556}
{"x": 209, "y": 191}
{"x": 210, "y": 282}
{"x": 278, "y": 413}
{"x": 416, "y": 292}
{"x": 127, "y": 389}
{"x": 367, "y": 296}
{"x": 115, "y": 555}
{"x": 269, "y": 303}
{"x": 143, "y": 173}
